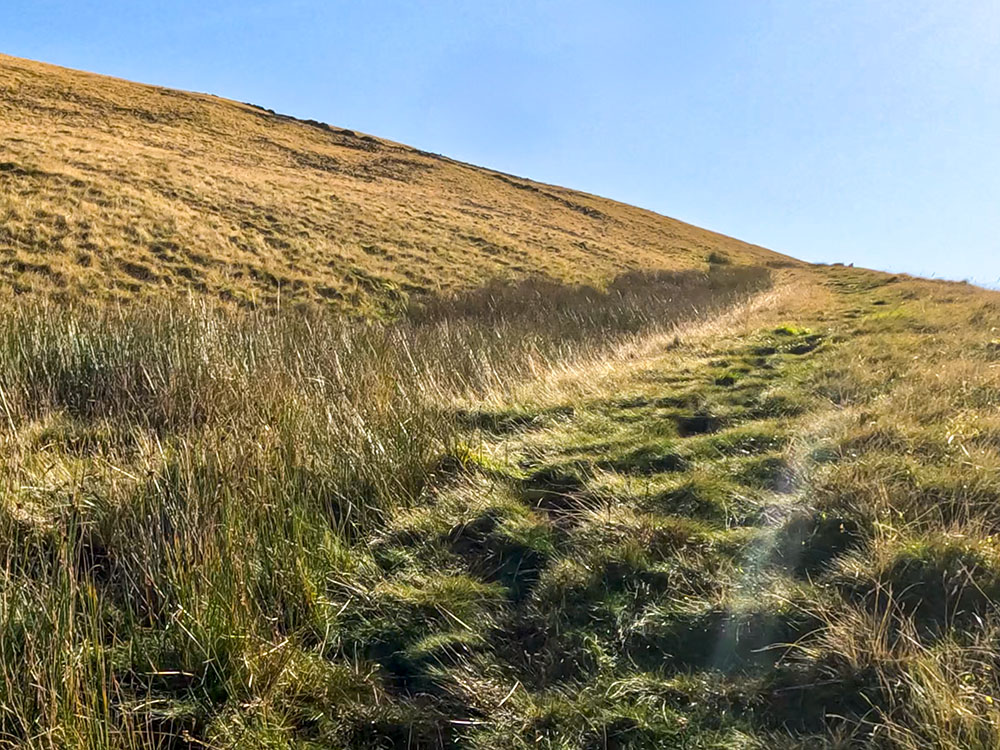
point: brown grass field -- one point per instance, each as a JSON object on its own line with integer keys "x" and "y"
{"x": 115, "y": 190}
{"x": 616, "y": 482}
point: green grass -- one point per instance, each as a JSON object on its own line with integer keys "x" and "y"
{"x": 211, "y": 526}
{"x": 499, "y": 528}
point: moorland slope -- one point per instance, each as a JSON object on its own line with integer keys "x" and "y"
{"x": 743, "y": 504}
{"x": 112, "y": 189}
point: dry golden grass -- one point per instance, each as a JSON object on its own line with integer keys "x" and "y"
{"x": 111, "y": 189}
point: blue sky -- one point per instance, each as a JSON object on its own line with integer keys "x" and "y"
{"x": 863, "y": 131}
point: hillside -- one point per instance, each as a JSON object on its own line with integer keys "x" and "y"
{"x": 718, "y": 499}
{"x": 110, "y": 189}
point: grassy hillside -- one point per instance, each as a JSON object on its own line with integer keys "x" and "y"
{"x": 706, "y": 512}
{"x": 594, "y": 492}
{"x": 113, "y": 190}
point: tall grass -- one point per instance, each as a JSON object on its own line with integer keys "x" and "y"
{"x": 184, "y": 488}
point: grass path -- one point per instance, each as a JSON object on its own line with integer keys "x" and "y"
{"x": 665, "y": 495}
{"x": 689, "y": 542}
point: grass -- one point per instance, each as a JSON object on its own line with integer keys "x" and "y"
{"x": 778, "y": 516}
{"x": 215, "y": 524}
{"x": 573, "y": 507}
{"x": 506, "y": 524}
{"x": 112, "y": 191}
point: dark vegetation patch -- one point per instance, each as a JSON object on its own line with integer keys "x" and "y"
{"x": 645, "y": 461}
{"x": 502, "y": 553}
{"x": 822, "y": 695}
{"x": 21, "y": 170}
{"x": 510, "y": 421}
{"x": 533, "y": 188}
{"x": 698, "y": 424}
{"x": 709, "y": 499}
{"x": 138, "y": 271}
{"x": 717, "y": 638}
{"x": 744, "y": 441}
{"x": 940, "y": 581}
{"x": 414, "y": 624}
{"x": 497, "y": 423}
{"x": 770, "y": 472}
{"x": 727, "y": 379}
{"x": 808, "y": 543}
{"x": 559, "y": 490}
{"x": 417, "y": 728}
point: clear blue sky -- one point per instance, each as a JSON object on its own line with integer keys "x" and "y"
{"x": 863, "y": 131}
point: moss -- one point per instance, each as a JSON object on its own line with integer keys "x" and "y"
{"x": 791, "y": 330}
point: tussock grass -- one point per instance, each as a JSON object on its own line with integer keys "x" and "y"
{"x": 824, "y": 555}
{"x": 215, "y": 527}
{"x": 540, "y": 519}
